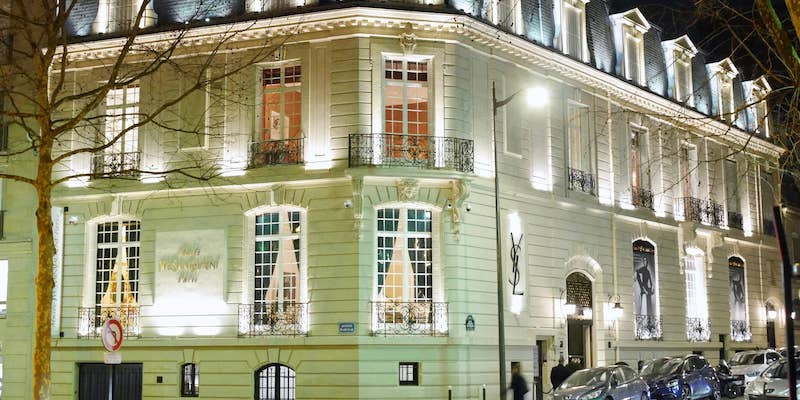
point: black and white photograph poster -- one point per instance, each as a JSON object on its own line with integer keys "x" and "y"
{"x": 738, "y": 294}
{"x": 644, "y": 278}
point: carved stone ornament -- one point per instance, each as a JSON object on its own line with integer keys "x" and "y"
{"x": 408, "y": 41}
{"x": 358, "y": 200}
{"x": 459, "y": 191}
{"x": 407, "y": 190}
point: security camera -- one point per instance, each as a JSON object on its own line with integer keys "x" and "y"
{"x": 468, "y": 207}
{"x": 348, "y": 203}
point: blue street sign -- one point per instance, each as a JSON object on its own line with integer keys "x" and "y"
{"x": 347, "y": 327}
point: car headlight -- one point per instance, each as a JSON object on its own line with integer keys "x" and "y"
{"x": 673, "y": 384}
{"x": 752, "y": 374}
{"x": 591, "y": 395}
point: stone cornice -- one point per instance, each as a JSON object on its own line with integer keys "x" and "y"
{"x": 431, "y": 26}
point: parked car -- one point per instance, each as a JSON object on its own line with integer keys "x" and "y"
{"x": 616, "y": 382}
{"x": 748, "y": 365}
{"x": 785, "y": 351}
{"x": 772, "y": 384}
{"x": 688, "y": 377}
{"x": 729, "y": 386}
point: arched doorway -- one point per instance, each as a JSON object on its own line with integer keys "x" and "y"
{"x": 275, "y": 382}
{"x": 579, "y": 323}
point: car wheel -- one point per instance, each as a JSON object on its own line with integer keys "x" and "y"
{"x": 686, "y": 393}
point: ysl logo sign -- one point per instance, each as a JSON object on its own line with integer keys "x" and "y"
{"x": 515, "y": 277}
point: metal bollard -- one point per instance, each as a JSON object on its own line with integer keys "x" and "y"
{"x": 484, "y": 392}
{"x": 449, "y": 393}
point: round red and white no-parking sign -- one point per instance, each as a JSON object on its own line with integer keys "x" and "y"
{"x": 112, "y": 335}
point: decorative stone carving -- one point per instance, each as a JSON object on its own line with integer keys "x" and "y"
{"x": 408, "y": 41}
{"x": 459, "y": 191}
{"x": 358, "y": 201}
{"x": 407, "y": 190}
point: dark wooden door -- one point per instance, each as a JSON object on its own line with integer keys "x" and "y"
{"x": 109, "y": 382}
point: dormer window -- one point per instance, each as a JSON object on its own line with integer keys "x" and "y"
{"x": 678, "y": 54}
{"x": 573, "y": 22}
{"x": 757, "y": 95}
{"x": 629, "y": 29}
{"x": 722, "y": 74}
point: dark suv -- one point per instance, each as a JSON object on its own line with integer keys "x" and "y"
{"x": 688, "y": 377}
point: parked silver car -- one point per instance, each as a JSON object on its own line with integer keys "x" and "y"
{"x": 747, "y": 365}
{"x": 616, "y": 382}
{"x": 772, "y": 384}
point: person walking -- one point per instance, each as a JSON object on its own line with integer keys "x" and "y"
{"x": 518, "y": 384}
{"x": 559, "y": 373}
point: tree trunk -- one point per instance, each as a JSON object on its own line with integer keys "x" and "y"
{"x": 44, "y": 295}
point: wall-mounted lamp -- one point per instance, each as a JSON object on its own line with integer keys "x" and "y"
{"x": 616, "y": 309}
{"x": 771, "y": 313}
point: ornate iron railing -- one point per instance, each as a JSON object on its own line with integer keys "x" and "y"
{"x": 409, "y": 318}
{"x": 115, "y": 164}
{"x": 693, "y": 209}
{"x": 698, "y": 329}
{"x": 273, "y": 318}
{"x": 641, "y": 197}
{"x": 275, "y": 152}
{"x": 419, "y": 151}
{"x": 769, "y": 226}
{"x": 740, "y": 331}
{"x": 716, "y": 213}
{"x": 581, "y": 181}
{"x": 91, "y": 320}
{"x": 735, "y": 220}
{"x": 647, "y": 327}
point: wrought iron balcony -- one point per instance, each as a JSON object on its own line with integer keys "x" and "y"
{"x": 716, "y": 213}
{"x": 418, "y": 151}
{"x": 115, "y": 164}
{"x": 735, "y": 220}
{"x": 698, "y": 329}
{"x": 642, "y": 198}
{"x": 275, "y": 152}
{"x": 91, "y": 320}
{"x": 702, "y": 211}
{"x": 581, "y": 181}
{"x": 409, "y": 318}
{"x": 740, "y": 331}
{"x": 769, "y": 226}
{"x": 273, "y": 318}
{"x": 647, "y": 327}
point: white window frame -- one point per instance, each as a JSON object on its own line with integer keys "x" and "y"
{"x": 725, "y": 95}
{"x": 248, "y": 286}
{"x": 129, "y": 141}
{"x": 683, "y": 66}
{"x": 632, "y": 34}
{"x": 578, "y": 6}
{"x": 645, "y": 181}
{"x": 429, "y": 83}
{"x": 696, "y": 286}
{"x": 574, "y": 106}
{"x": 259, "y": 90}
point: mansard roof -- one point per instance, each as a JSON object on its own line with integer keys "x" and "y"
{"x": 541, "y": 27}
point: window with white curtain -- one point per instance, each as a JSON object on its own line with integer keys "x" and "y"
{"x": 405, "y": 255}
{"x": 634, "y": 54}
{"x": 696, "y": 298}
{"x": 683, "y": 80}
{"x": 580, "y": 143}
{"x": 573, "y": 30}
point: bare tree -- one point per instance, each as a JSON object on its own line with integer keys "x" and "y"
{"x": 63, "y": 116}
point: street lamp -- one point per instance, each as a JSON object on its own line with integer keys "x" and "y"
{"x": 536, "y": 97}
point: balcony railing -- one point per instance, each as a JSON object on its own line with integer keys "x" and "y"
{"x": 115, "y": 164}
{"x": 740, "y": 331}
{"x": 716, "y": 213}
{"x": 698, "y": 329}
{"x": 91, "y": 320}
{"x": 418, "y": 151}
{"x": 647, "y": 327}
{"x": 581, "y": 181}
{"x": 273, "y": 318}
{"x": 769, "y": 226}
{"x": 702, "y": 211}
{"x": 409, "y": 318}
{"x": 642, "y": 198}
{"x": 275, "y": 152}
{"x": 735, "y": 220}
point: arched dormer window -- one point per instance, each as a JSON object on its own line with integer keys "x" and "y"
{"x": 646, "y": 312}
{"x": 275, "y": 295}
{"x": 573, "y": 28}
{"x": 740, "y": 318}
{"x": 721, "y": 74}
{"x": 678, "y": 54}
{"x": 629, "y": 28}
{"x": 408, "y": 293}
{"x": 116, "y": 245}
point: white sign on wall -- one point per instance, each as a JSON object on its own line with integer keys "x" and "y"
{"x": 189, "y": 280}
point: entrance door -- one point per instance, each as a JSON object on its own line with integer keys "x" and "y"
{"x": 771, "y": 334}
{"x": 579, "y": 324}
{"x": 109, "y": 382}
{"x": 540, "y": 349}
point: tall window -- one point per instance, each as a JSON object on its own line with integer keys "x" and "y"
{"x": 278, "y": 252}
{"x": 406, "y": 96}
{"x": 405, "y": 255}
{"x": 640, "y": 176}
{"x": 573, "y": 30}
{"x": 645, "y": 291}
{"x": 687, "y": 170}
{"x": 683, "y": 80}
{"x": 122, "y": 114}
{"x": 275, "y": 382}
{"x": 634, "y": 67}
{"x": 762, "y": 118}
{"x": 767, "y": 202}
{"x": 580, "y": 143}
{"x": 696, "y": 299}
{"x": 281, "y": 102}
{"x": 740, "y": 325}
{"x": 117, "y": 272}
{"x": 190, "y": 380}
{"x": 726, "y": 110}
